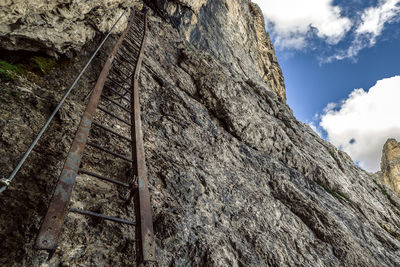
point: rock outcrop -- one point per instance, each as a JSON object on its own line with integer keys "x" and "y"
{"x": 235, "y": 179}
{"x": 390, "y": 165}
{"x": 56, "y": 26}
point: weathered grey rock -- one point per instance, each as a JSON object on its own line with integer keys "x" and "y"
{"x": 235, "y": 179}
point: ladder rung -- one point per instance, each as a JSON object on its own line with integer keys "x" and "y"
{"x": 118, "y": 93}
{"x": 123, "y": 62}
{"x": 134, "y": 37}
{"x": 134, "y": 34}
{"x": 116, "y": 103}
{"x": 117, "y": 83}
{"x": 127, "y": 76}
{"x": 109, "y": 151}
{"x": 130, "y": 45}
{"x": 102, "y": 216}
{"x": 133, "y": 43}
{"x": 120, "y": 86}
{"x": 101, "y": 177}
{"x": 122, "y": 74}
{"x": 115, "y": 116}
{"x": 138, "y": 19}
{"x": 128, "y": 58}
{"x": 138, "y": 22}
{"x": 111, "y": 131}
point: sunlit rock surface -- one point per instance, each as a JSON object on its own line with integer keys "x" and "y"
{"x": 390, "y": 165}
{"x": 232, "y": 31}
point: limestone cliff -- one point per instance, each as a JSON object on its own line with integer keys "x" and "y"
{"x": 235, "y": 179}
{"x": 390, "y": 165}
{"x": 232, "y": 31}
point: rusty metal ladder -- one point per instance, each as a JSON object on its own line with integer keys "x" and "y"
{"x": 121, "y": 80}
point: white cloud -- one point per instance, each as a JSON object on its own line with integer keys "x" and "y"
{"x": 374, "y": 18}
{"x": 294, "y": 20}
{"x": 363, "y": 122}
{"x": 370, "y": 26}
{"x": 330, "y": 107}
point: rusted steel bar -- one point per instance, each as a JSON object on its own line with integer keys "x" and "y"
{"x": 132, "y": 52}
{"x": 123, "y": 62}
{"x": 54, "y": 219}
{"x": 126, "y": 91}
{"x": 122, "y": 74}
{"x": 101, "y": 177}
{"x": 117, "y": 93}
{"x": 109, "y": 151}
{"x": 115, "y": 103}
{"x": 134, "y": 36}
{"x": 125, "y": 75}
{"x": 117, "y": 83}
{"x": 115, "y": 116}
{"x": 131, "y": 47}
{"x": 101, "y": 216}
{"x": 144, "y": 217}
{"x": 111, "y": 131}
{"x": 132, "y": 42}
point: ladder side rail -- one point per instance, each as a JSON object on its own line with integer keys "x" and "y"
{"x": 143, "y": 210}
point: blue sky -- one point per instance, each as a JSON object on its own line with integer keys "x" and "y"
{"x": 328, "y": 51}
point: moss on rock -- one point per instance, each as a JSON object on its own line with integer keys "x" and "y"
{"x": 43, "y": 64}
{"x": 9, "y": 71}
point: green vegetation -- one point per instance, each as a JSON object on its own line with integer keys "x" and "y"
{"x": 44, "y": 64}
{"x": 332, "y": 153}
{"x": 334, "y": 193}
{"x": 35, "y": 64}
{"x": 384, "y": 192}
{"x": 287, "y": 123}
{"x": 9, "y": 71}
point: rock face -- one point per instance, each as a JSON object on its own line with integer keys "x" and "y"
{"x": 57, "y": 25}
{"x": 235, "y": 179}
{"x": 64, "y": 25}
{"x": 232, "y": 31}
{"x": 390, "y": 165}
